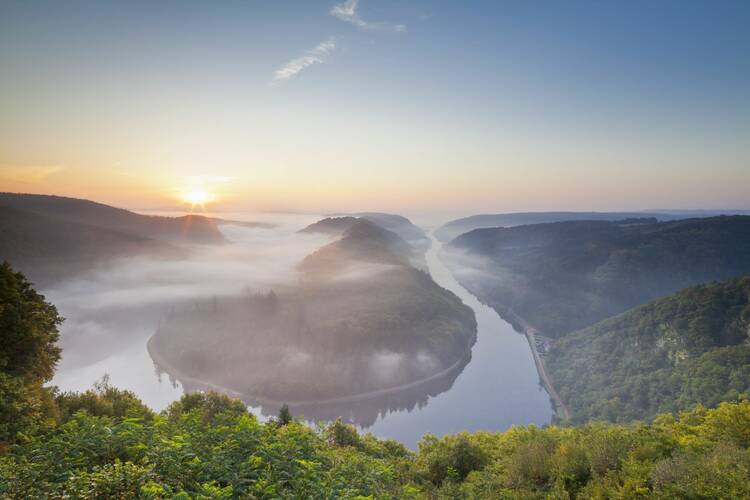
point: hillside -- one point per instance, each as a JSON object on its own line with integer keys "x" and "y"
{"x": 361, "y": 241}
{"x": 333, "y": 226}
{"x": 186, "y": 229}
{"x": 565, "y": 276}
{"x": 48, "y": 249}
{"x": 668, "y": 355}
{"x": 361, "y": 321}
{"x": 399, "y": 225}
{"x": 455, "y": 228}
{"x": 391, "y": 225}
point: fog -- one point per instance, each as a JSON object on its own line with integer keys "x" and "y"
{"x": 110, "y": 313}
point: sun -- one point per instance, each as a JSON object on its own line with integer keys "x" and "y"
{"x": 196, "y": 198}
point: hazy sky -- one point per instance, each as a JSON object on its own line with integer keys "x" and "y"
{"x": 390, "y": 105}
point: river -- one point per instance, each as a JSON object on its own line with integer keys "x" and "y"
{"x": 498, "y": 388}
{"x": 108, "y": 326}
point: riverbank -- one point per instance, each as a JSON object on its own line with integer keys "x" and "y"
{"x": 179, "y": 375}
{"x": 530, "y": 333}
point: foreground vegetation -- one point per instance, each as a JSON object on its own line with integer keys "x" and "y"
{"x": 668, "y": 355}
{"x": 108, "y": 445}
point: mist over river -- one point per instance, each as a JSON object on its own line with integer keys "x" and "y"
{"x": 111, "y": 313}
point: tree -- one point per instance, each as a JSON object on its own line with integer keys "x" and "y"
{"x": 341, "y": 434}
{"x": 28, "y": 354}
{"x": 285, "y": 416}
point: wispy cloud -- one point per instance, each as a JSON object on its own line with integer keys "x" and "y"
{"x": 30, "y": 174}
{"x": 347, "y": 12}
{"x": 316, "y": 55}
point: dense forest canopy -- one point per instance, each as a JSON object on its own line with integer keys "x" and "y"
{"x": 691, "y": 347}
{"x": 106, "y": 444}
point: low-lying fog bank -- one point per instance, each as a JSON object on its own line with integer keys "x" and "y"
{"x": 110, "y": 313}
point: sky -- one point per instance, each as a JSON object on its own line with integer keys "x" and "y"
{"x": 404, "y": 106}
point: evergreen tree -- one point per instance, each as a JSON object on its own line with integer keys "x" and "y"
{"x": 285, "y": 416}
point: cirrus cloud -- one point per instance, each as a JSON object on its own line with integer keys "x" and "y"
{"x": 317, "y": 55}
{"x": 347, "y": 12}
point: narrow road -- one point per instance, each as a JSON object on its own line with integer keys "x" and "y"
{"x": 530, "y": 333}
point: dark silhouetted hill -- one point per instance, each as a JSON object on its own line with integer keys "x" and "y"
{"x": 333, "y": 226}
{"x": 362, "y": 241}
{"x": 186, "y": 229}
{"x": 457, "y": 227}
{"x": 48, "y": 248}
{"x": 399, "y": 225}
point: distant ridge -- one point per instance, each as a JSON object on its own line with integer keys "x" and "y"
{"x": 48, "y": 249}
{"x": 412, "y": 240}
{"x": 333, "y": 226}
{"x": 564, "y": 276}
{"x": 337, "y": 223}
{"x": 185, "y": 229}
{"x": 454, "y": 228}
{"x": 362, "y": 241}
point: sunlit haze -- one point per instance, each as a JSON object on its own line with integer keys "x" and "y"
{"x": 400, "y": 106}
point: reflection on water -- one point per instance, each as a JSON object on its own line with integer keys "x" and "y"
{"x": 494, "y": 387}
{"x": 362, "y": 411}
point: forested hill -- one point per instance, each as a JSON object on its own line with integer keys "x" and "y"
{"x": 668, "y": 355}
{"x": 398, "y": 224}
{"x": 48, "y": 248}
{"x": 186, "y": 229}
{"x": 457, "y": 227}
{"x": 333, "y": 226}
{"x": 361, "y": 241}
{"x": 564, "y": 276}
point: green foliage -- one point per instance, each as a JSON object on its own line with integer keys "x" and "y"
{"x": 691, "y": 347}
{"x": 29, "y": 325}
{"x": 341, "y": 434}
{"x": 208, "y": 405}
{"x": 452, "y": 457}
{"x": 28, "y": 355}
{"x": 102, "y": 400}
{"x": 205, "y": 447}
